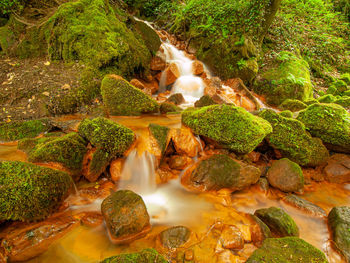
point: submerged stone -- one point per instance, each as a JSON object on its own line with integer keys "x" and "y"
{"x": 289, "y": 136}
{"x": 330, "y": 123}
{"x": 145, "y": 256}
{"x": 287, "y": 250}
{"x": 174, "y": 237}
{"x": 29, "y": 192}
{"x": 338, "y": 169}
{"x": 286, "y": 176}
{"x": 121, "y": 98}
{"x": 279, "y": 222}
{"x": 339, "y": 222}
{"x": 231, "y": 127}
{"x": 304, "y": 205}
{"x": 126, "y": 216}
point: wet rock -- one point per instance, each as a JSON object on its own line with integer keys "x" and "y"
{"x": 287, "y": 249}
{"x": 292, "y": 105}
{"x": 16, "y": 130}
{"x": 304, "y": 205}
{"x": 339, "y": 222}
{"x": 138, "y": 84}
{"x": 121, "y": 98}
{"x": 260, "y": 231}
{"x": 176, "y": 98}
{"x": 179, "y": 162}
{"x": 145, "y": 256}
{"x": 158, "y": 62}
{"x": 278, "y": 84}
{"x": 220, "y": 171}
{"x": 159, "y": 138}
{"x": 338, "y": 169}
{"x": 264, "y": 184}
{"x": 287, "y": 114}
{"x": 197, "y": 67}
{"x": 254, "y": 156}
{"x": 286, "y": 176}
{"x": 115, "y": 169}
{"x": 149, "y": 36}
{"x": 232, "y": 127}
{"x": 206, "y": 100}
{"x": 167, "y": 107}
{"x": 95, "y": 163}
{"x": 164, "y": 174}
{"x": 29, "y": 192}
{"x": 22, "y": 242}
{"x": 185, "y": 142}
{"x": 330, "y": 123}
{"x": 231, "y": 238}
{"x": 92, "y": 219}
{"x": 279, "y": 222}
{"x": 172, "y": 73}
{"x": 174, "y": 237}
{"x": 291, "y": 139}
{"x": 126, "y": 216}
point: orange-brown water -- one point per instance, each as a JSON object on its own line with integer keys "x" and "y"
{"x": 172, "y": 205}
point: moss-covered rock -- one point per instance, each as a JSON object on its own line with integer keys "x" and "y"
{"x": 145, "y": 256}
{"x": 29, "y": 192}
{"x": 287, "y": 250}
{"x": 290, "y": 79}
{"x": 121, "y": 98}
{"x": 16, "y": 130}
{"x": 289, "y": 136}
{"x": 292, "y": 105}
{"x": 220, "y": 171}
{"x": 99, "y": 159}
{"x": 328, "y": 98}
{"x": 279, "y": 222}
{"x": 160, "y": 134}
{"x": 176, "y": 98}
{"x": 232, "y": 127}
{"x": 126, "y": 216}
{"x": 105, "y": 134}
{"x": 337, "y": 87}
{"x": 343, "y": 101}
{"x": 286, "y": 113}
{"x": 346, "y": 78}
{"x": 149, "y": 36}
{"x": 331, "y": 123}
{"x": 167, "y": 107}
{"x": 339, "y": 222}
{"x": 28, "y": 144}
{"x": 204, "y": 101}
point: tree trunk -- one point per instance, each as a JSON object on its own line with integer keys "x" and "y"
{"x": 270, "y": 14}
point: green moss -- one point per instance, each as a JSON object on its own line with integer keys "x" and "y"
{"x": 311, "y": 101}
{"x": 6, "y": 39}
{"x": 232, "y": 127}
{"x": 287, "y": 114}
{"x": 337, "y": 87}
{"x": 279, "y": 222}
{"x": 330, "y": 122}
{"x": 287, "y": 250}
{"x": 145, "y": 256}
{"x": 167, "y": 107}
{"x": 149, "y": 36}
{"x": 329, "y": 98}
{"x": 289, "y": 136}
{"x": 290, "y": 79}
{"x": 99, "y": 162}
{"x": 160, "y": 133}
{"x": 29, "y": 192}
{"x": 204, "y": 101}
{"x": 343, "y": 101}
{"x": 292, "y": 105}
{"x": 107, "y": 135}
{"x": 121, "y": 98}
{"x": 28, "y": 144}
{"x": 17, "y": 130}
{"x": 68, "y": 150}
{"x": 346, "y": 78}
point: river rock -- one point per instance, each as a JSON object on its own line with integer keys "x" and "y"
{"x": 115, "y": 169}
{"x": 23, "y": 241}
{"x": 292, "y": 105}
{"x": 278, "y": 221}
{"x": 286, "y": 176}
{"x": 167, "y": 107}
{"x": 158, "y": 62}
{"x": 145, "y": 256}
{"x": 338, "y": 169}
{"x": 172, "y": 73}
{"x": 291, "y": 139}
{"x": 231, "y": 237}
{"x": 197, "y": 67}
{"x": 260, "y": 231}
{"x": 179, "y": 162}
{"x": 339, "y": 222}
{"x": 176, "y": 98}
{"x": 121, "y": 98}
{"x": 220, "y": 171}
{"x": 174, "y": 237}
{"x": 304, "y": 205}
{"x": 159, "y": 139}
{"x": 29, "y": 192}
{"x": 330, "y": 123}
{"x": 126, "y": 216}
{"x": 138, "y": 84}
{"x": 231, "y": 127}
{"x": 185, "y": 142}
{"x": 95, "y": 163}
{"x": 287, "y": 249}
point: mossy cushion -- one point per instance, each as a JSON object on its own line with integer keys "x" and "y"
{"x": 145, "y": 256}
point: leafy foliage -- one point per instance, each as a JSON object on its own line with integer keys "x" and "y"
{"x": 6, "y": 6}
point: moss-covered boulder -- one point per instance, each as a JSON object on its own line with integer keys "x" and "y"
{"x": 286, "y": 113}
{"x": 29, "y": 192}
{"x": 168, "y": 107}
{"x": 105, "y": 134}
{"x": 293, "y": 105}
{"x": 204, "y": 101}
{"x": 232, "y": 127}
{"x": 149, "y": 36}
{"x": 160, "y": 135}
{"x": 329, "y": 98}
{"x": 176, "y": 98}
{"x": 286, "y": 176}
{"x": 337, "y": 87}
{"x": 126, "y": 216}
{"x": 339, "y": 222}
{"x": 330, "y": 122}
{"x": 121, "y": 98}
{"x": 220, "y": 171}
{"x": 68, "y": 151}
{"x": 279, "y": 222}
{"x": 97, "y": 161}
{"x": 16, "y": 130}
{"x": 289, "y": 136}
{"x": 290, "y": 79}
{"x": 145, "y": 256}
{"x": 28, "y": 144}
{"x": 287, "y": 250}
